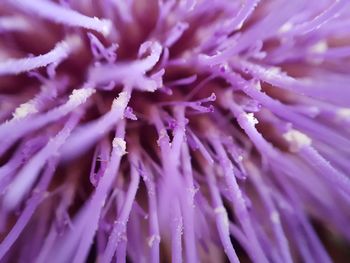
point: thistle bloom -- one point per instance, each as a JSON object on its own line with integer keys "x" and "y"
{"x": 174, "y": 130}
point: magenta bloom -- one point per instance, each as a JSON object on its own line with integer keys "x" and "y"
{"x": 174, "y": 131}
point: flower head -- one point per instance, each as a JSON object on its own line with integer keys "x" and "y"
{"x": 189, "y": 130}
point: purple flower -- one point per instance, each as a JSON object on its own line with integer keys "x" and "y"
{"x": 182, "y": 131}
